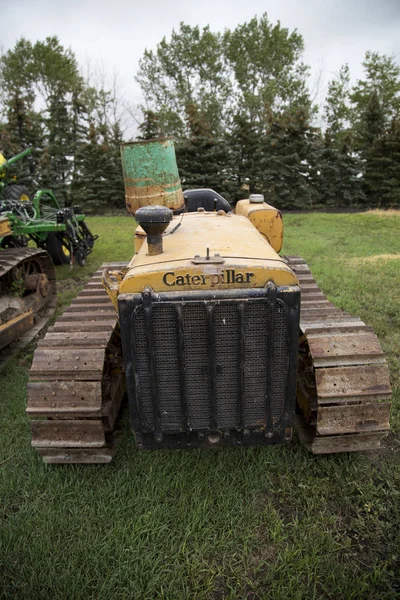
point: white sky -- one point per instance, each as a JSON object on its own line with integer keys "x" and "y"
{"x": 116, "y": 32}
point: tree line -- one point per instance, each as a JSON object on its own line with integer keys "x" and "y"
{"x": 238, "y": 106}
{"x": 73, "y": 126}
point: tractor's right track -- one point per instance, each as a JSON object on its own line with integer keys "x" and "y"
{"x": 76, "y": 382}
{"x": 343, "y": 378}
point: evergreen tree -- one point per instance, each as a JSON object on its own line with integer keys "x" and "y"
{"x": 287, "y": 160}
{"x": 60, "y": 148}
{"x": 77, "y": 133}
{"x": 89, "y": 185}
{"x": 98, "y": 180}
{"x": 382, "y": 168}
{"x": 371, "y": 126}
{"x": 23, "y": 129}
{"x": 339, "y": 112}
{"x": 336, "y": 176}
{"x": 115, "y": 179}
{"x": 150, "y": 126}
{"x": 245, "y": 142}
{"x": 23, "y": 126}
{"x": 202, "y": 158}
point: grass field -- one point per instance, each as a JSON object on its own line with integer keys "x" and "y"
{"x": 258, "y": 523}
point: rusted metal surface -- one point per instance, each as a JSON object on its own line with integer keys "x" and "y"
{"x": 151, "y": 174}
{"x": 76, "y": 363}
{"x": 351, "y": 442}
{"x": 57, "y": 456}
{"x": 354, "y": 417}
{"x": 68, "y": 433}
{"x": 15, "y": 328}
{"x": 149, "y": 195}
{"x": 76, "y": 384}
{"x": 64, "y": 398}
{"x": 351, "y": 348}
{"x": 343, "y": 378}
{"x": 31, "y": 271}
{"x": 345, "y": 384}
{"x": 86, "y": 339}
{"x": 104, "y": 307}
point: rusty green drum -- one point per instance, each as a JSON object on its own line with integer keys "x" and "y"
{"x": 151, "y": 174}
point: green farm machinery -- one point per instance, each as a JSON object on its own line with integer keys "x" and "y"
{"x": 27, "y": 275}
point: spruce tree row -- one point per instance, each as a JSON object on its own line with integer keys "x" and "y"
{"x": 240, "y": 110}
{"x": 237, "y": 104}
{"x": 47, "y": 105}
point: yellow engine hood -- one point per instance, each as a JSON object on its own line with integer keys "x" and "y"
{"x": 247, "y": 259}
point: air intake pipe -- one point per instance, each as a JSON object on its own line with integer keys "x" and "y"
{"x": 154, "y": 221}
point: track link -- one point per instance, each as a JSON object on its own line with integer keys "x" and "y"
{"x": 76, "y": 381}
{"x": 34, "y": 266}
{"x": 343, "y": 386}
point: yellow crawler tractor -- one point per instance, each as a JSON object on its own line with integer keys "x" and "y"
{"x": 217, "y": 339}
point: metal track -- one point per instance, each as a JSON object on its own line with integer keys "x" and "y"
{"x": 39, "y": 305}
{"x": 343, "y": 378}
{"x": 76, "y": 381}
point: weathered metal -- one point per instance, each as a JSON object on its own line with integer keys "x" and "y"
{"x": 76, "y": 382}
{"x": 211, "y": 368}
{"x": 154, "y": 220}
{"x": 249, "y": 261}
{"x": 343, "y": 379}
{"x": 28, "y": 280}
{"x": 151, "y": 174}
{"x": 210, "y": 339}
{"x": 265, "y": 218}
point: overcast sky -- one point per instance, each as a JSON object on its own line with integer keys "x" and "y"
{"x": 116, "y": 32}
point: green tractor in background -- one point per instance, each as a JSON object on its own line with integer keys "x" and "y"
{"x": 27, "y": 274}
{"x": 61, "y": 231}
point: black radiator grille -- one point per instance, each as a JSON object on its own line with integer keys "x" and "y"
{"x": 228, "y": 375}
{"x": 226, "y": 323}
{"x": 195, "y": 345}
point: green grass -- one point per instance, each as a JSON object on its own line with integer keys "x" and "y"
{"x": 258, "y": 523}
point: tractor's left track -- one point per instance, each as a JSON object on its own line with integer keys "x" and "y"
{"x": 28, "y": 297}
{"x": 77, "y": 382}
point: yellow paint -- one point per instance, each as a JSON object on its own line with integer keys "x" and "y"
{"x": 5, "y": 227}
{"x": 2, "y": 161}
{"x": 111, "y": 281}
{"x": 230, "y": 275}
{"x": 265, "y": 218}
{"x": 15, "y": 320}
{"x": 140, "y": 237}
{"x": 228, "y": 235}
{"x": 248, "y": 259}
